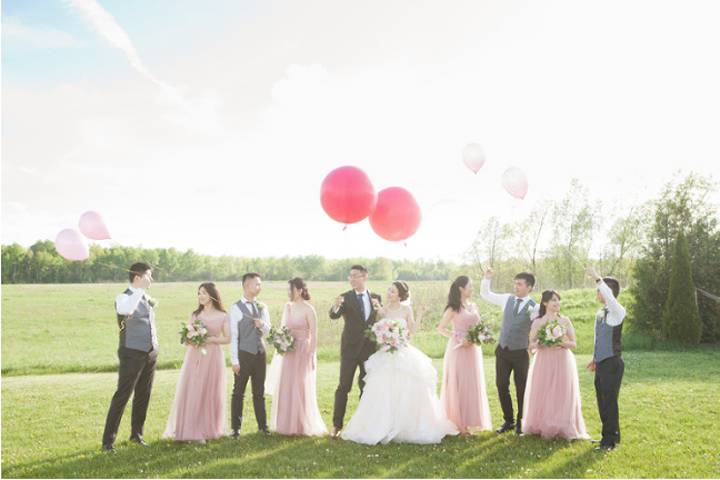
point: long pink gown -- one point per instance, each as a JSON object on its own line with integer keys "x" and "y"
{"x": 292, "y": 382}
{"x": 552, "y": 396}
{"x": 463, "y": 393}
{"x": 198, "y": 411}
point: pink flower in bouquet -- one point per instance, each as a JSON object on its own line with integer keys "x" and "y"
{"x": 557, "y": 331}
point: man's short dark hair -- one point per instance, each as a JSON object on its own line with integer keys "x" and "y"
{"x": 138, "y": 270}
{"x": 360, "y": 268}
{"x": 250, "y": 275}
{"x": 528, "y": 277}
{"x": 613, "y": 284}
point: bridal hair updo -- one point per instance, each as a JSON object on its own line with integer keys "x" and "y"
{"x": 300, "y": 284}
{"x": 403, "y": 290}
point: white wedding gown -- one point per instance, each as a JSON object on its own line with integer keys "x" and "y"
{"x": 399, "y": 403}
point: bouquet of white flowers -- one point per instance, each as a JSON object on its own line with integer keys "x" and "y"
{"x": 195, "y": 334}
{"x": 551, "y": 334}
{"x": 281, "y": 339}
{"x": 388, "y": 334}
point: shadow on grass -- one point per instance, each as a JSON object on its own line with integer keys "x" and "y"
{"x": 254, "y": 455}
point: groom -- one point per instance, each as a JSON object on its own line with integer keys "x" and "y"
{"x": 512, "y": 354}
{"x": 356, "y": 308}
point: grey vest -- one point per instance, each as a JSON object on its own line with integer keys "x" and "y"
{"x": 249, "y": 338}
{"x": 607, "y": 338}
{"x": 137, "y": 330}
{"x": 515, "y": 331}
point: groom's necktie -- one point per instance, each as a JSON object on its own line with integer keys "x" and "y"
{"x": 254, "y": 309}
{"x": 362, "y": 305}
{"x": 518, "y": 301}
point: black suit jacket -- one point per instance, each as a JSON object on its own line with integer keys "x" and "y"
{"x": 354, "y": 343}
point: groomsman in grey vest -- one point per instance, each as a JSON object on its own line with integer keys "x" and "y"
{"x": 137, "y": 354}
{"x": 607, "y": 362}
{"x": 249, "y": 321}
{"x": 512, "y": 354}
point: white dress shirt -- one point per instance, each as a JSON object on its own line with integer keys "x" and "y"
{"x": 235, "y": 316}
{"x": 501, "y": 299}
{"x": 366, "y": 303}
{"x": 126, "y": 304}
{"x": 616, "y": 312}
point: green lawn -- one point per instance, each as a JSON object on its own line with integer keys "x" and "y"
{"x": 52, "y": 421}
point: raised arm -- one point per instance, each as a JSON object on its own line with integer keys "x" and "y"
{"x": 612, "y": 304}
{"x": 126, "y": 304}
{"x": 336, "y": 311}
{"x": 499, "y": 299}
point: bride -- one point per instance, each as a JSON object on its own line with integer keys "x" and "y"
{"x": 399, "y": 402}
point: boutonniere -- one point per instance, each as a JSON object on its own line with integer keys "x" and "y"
{"x": 151, "y": 301}
{"x": 260, "y": 307}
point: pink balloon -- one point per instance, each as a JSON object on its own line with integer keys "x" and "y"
{"x": 473, "y": 157}
{"x": 92, "y": 226}
{"x": 396, "y": 216}
{"x": 71, "y": 246}
{"x": 347, "y": 195}
{"x": 515, "y": 182}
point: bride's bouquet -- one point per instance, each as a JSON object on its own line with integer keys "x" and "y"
{"x": 388, "y": 334}
{"x": 195, "y": 334}
{"x": 281, "y": 339}
{"x": 551, "y": 334}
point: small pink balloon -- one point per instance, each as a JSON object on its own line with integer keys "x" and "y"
{"x": 71, "y": 246}
{"x": 92, "y": 226}
{"x": 473, "y": 157}
{"x": 515, "y": 182}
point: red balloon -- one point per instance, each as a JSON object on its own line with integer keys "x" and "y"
{"x": 347, "y": 195}
{"x": 396, "y": 216}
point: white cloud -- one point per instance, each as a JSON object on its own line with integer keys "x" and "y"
{"x": 395, "y": 88}
{"x": 14, "y": 31}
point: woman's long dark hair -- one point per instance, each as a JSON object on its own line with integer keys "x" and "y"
{"x": 547, "y": 295}
{"x": 212, "y": 291}
{"x": 299, "y": 284}
{"x": 454, "y": 297}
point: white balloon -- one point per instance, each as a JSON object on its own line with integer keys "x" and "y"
{"x": 515, "y": 182}
{"x": 473, "y": 157}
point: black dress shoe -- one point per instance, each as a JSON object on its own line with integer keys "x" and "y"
{"x": 108, "y": 449}
{"x": 506, "y": 427}
{"x": 139, "y": 440}
{"x": 235, "y": 434}
{"x": 264, "y": 431}
{"x": 518, "y": 429}
{"x": 605, "y": 447}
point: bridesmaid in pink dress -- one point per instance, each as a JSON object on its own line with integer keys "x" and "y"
{"x": 552, "y": 398}
{"x": 198, "y": 411}
{"x": 292, "y": 381}
{"x": 463, "y": 393}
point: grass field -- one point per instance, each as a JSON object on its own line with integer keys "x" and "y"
{"x": 58, "y": 363}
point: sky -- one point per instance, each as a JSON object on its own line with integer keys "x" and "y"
{"x": 211, "y": 125}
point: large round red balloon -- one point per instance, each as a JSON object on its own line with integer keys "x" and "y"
{"x": 396, "y": 216}
{"x": 347, "y": 195}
